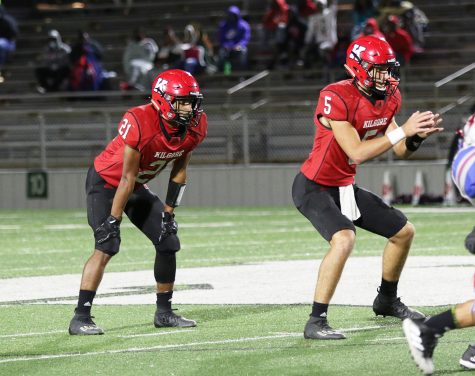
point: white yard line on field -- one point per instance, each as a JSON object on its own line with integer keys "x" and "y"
{"x": 385, "y": 339}
{"x": 31, "y": 334}
{"x": 82, "y": 226}
{"x": 157, "y": 333}
{"x": 143, "y": 349}
{"x": 69, "y": 226}
{"x": 9, "y": 227}
{"x": 167, "y": 347}
{"x": 64, "y": 331}
{"x": 344, "y": 330}
{"x": 456, "y": 210}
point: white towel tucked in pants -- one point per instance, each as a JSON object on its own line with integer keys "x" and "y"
{"x": 348, "y": 203}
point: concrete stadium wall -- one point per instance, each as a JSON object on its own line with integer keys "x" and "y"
{"x": 209, "y": 186}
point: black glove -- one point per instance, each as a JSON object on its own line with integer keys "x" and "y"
{"x": 169, "y": 225}
{"x": 109, "y": 229}
{"x": 169, "y": 241}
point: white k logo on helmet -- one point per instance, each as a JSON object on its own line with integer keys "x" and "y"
{"x": 356, "y": 51}
{"x": 160, "y": 85}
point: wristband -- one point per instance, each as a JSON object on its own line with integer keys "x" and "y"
{"x": 396, "y": 135}
{"x": 413, "y": 142}
{"x": 174, "y": 193}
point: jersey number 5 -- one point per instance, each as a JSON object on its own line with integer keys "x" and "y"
{"x": 327, "y": 107}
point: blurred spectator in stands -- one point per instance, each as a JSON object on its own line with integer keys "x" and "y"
{"x": 234, "y": 34}
{"x": 8, "y": 34}
{"x": 193, "y": 60}
{"x": 205, "y": 41}
{"x": 413, "y": 20}
{"x": 53, "y": 65}
{"x": 170, "y": 53}
{"x": 86, "y": 59}
{"x": 362, "y": 11}
{"x": 306, "y": 8}
{"x": 138, "y": 61}
{"x": 275, "y": 21}
{"x": 399, "y": 39}
{"x": 371, "y": 28}
{"x": 288, "y": 53}
{"x": 321, "y": 37}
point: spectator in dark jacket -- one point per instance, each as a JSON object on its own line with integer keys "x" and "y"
{"x": 86, "y": 58}
{"x": 234, "y": 35}
{"x": 275, "y": 22}
{"x": 289, "y": 51}
{"x": 52, "y": 65}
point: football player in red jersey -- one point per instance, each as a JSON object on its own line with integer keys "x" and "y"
{"x": 149, "y": 137}
{"x": 349, "y": 117}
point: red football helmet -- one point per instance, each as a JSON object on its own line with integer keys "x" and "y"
{"x": 372, "y": 63}
{"x": 169, "y": 90}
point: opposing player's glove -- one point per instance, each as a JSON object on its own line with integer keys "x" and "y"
{"x": 470, "y": 242}
{"x": 169, "y": 241}
{"x": 110, "y": 228}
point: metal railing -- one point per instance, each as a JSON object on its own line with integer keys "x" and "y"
{"x": 438, "y": 84}
{"x": 244, "y": 113}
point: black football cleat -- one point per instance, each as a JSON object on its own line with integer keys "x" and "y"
{"x": 318, "y": 328}
{"x": 468, "y": 358}
{"x": 422, "y": 341}
{"x": 392, "y": 306}
{"x": 167, "y": 319}
{"x": 83, "y": 325}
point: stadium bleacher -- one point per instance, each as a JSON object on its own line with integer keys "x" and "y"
{"x": 76, "y": 125}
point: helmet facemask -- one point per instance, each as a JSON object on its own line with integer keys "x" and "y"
{"x": 381, "y": 80}
{"x": 385, "y": 78}
{"x": 186, "y": 110}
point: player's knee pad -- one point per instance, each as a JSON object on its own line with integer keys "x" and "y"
{"x": 110, "y": 247}
{"x": 165, "y": 267}
{"x": 169, "y": 244}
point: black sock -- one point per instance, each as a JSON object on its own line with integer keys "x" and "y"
{"x": 164, "y": 301}
{"x": 388, "y": 288}
{"x": 319, "y": 309}
{"x": 85, "y": 301}
{"x": 442, "y": 322}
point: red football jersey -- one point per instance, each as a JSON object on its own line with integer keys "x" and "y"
{"x": 327, "y": 163}
{"x": 140, "y": 129}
